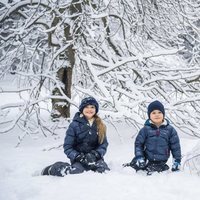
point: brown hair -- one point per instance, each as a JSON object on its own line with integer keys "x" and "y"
{"x": 101, "y": 128}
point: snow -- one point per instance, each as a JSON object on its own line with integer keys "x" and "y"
{"x": 18, "y": 166}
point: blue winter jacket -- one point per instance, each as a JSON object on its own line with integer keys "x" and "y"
{"x": 82, "y": 138}
{"x": 155, "y": 144}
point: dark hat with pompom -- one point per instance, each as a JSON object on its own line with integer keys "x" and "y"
{"x": 156, "y": 105}
{"x": 88, "y": 101}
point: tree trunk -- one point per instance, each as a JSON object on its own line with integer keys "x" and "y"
{"x": 61, "y": 108}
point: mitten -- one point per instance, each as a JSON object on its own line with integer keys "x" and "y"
{"x": 90, "y": 158}
{"x": 80, "y": 158}
{"x": 176, "y": 165}
{"x": 140, "y": 162}
{"x": 96, "y": 154}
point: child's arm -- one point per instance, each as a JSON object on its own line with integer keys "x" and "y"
{"x": 102, "y": 148}
{"x": 69, "y": 143}
{"x": 175, "y": 145}
{"x": 139, "y": 143}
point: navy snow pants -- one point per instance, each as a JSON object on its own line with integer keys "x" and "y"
{"x": 64, "y": 168}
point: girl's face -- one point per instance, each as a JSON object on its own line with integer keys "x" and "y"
{"x": 89, "y": 111}
{"x": 157, "y": 117}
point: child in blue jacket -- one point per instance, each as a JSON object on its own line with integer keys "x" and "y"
{"x": 155, "y": 141}
{"x": 85, "y": 143}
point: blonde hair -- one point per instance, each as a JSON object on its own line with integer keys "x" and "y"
{"x": 101, "y": 128}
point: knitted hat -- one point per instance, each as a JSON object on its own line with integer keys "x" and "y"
{"x": 88, "y": 101}
{"x": 156, "y": 105}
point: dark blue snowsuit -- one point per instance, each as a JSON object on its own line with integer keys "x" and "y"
{"x": 154, "y": 144}
{"x": 80, "y": 138}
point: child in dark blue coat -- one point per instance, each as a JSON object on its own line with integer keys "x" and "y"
{"x": 85, "y": 143}
{"x": 155, "y": 141}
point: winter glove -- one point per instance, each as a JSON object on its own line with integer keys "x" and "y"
{"x": 96, "y": 154}
{"x": 90, "y": 158}
{"x": 140, "y": 162}
{"x": 80, "y": 158}
{"x": 176, "y": 165}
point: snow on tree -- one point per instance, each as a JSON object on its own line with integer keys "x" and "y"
{"x": 124, "y": 53}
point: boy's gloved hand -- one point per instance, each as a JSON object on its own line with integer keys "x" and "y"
{"x": 141, "y": 163}
{"x": 176, "y": 165}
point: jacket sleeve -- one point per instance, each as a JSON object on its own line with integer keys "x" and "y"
{"x": 102, "y": 148}
{"x": 175, "y": 145}
{"x": 139, "y": 143}
{"x": 69, "y": 142}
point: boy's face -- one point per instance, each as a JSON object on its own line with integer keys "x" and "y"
{"x": 89, "y": 111}
{"x": 156, "y": 117}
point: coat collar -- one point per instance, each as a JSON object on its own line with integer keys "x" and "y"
{"x": 79, "y": 117}
{"x": 150, "y": 123}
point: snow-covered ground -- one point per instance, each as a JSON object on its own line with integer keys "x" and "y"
{"x": 17, "y": 166}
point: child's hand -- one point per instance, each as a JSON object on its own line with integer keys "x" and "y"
{"x": 90, "y": 158}
{"x": 96, "y": 154}
{"x": 141, "y": 163}
{"x": 80, "y": 157}
{"x": 176, "y": 166}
